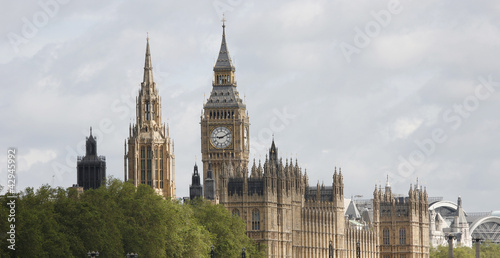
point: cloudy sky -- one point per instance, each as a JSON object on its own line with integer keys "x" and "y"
{"x": 406, "y": 89}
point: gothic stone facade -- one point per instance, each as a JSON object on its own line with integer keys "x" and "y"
{"x": 402, "y": 223}
{"x": 149, "y": 151}
{"x": 290, "y": 218}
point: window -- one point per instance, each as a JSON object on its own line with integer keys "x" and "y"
{"x": 147, "y": 111}
{"x": 160, "y": 156}
{"x": 385, "y": 237}
{"x": 143, "y": 165}
{"x": 155, "y": 183}
{"x": 148, "y": 164}
{"x": 236, "y": 212}
{"x": 402, "y": 236}
{"x": 255, "y": 220}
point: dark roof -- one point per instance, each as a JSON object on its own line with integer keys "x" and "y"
{"x": 224, "y": 96}
{"x": 224, "y": 62}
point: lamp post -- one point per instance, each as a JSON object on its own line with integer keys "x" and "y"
{"x": 243, "y": 254}
{"x": 212, "y": 252}
{"x": 92, "y": 254}
{"x": 132, "y": 255}
{"x": 478, "y": 246}
{"x": 450, "y": 245}
{"x": 330, "y": 249}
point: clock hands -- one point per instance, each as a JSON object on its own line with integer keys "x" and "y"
{"x": 220, "y": 137}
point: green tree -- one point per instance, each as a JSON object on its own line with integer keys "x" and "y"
{"x": 228, "y": 232}
{"x": 488, "y": 250}
{"x": 119, "y": 218}
{"x": 39, "y": 233}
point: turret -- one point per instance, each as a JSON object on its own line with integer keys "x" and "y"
{"x": 195, "y": 189}
{"x": 210, "y": 187}
{"x": 259, "y": 170}
{"x": 91, "y": 145}
{"x": 253, "y": 173}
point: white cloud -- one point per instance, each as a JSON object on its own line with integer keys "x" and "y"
{"x": 404, "y": 127}
{"x": 34, "y": 156}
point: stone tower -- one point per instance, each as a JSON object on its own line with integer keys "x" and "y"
{"x": 195, "y": 189}
{"x": 210, "y": 191}
{"x": 225, "y": 122}
{"x": 402, "y": 222}
{"x": 149, "y": 151}
{"x": 91, "y": 169}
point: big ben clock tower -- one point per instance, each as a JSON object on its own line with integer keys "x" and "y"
{"x": 225, "y": 122}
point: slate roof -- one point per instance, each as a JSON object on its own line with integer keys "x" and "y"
{"x": 224, "y": 62}
{"x": 224, "y": 96}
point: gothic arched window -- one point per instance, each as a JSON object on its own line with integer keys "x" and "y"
{"x": 255, "y": 219}
{"x": 149, "y": 157}
{"x": 385, "y": 237}
{"x": 402, "y": 236}
{"x": 147, "y": 111}
{"x": 143, "y": 165}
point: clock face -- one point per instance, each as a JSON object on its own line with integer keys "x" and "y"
{"x": 221, "y": 137}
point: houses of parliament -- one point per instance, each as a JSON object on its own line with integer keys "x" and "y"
{"x": 282, "y": 212}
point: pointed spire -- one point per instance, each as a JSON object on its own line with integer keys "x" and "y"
{"x": 148, "y": 68}
{"x": 259, "y": 169}
{"x": 224, "y": 62}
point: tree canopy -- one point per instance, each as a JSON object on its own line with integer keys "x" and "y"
{"x": 488, "y": 250}
{"x": 117, "y": 219}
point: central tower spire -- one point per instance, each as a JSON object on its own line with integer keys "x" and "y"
{"x": 149, "y": 151}
{"x": 148, "y": 68}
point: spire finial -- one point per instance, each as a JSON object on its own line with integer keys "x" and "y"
{"x": 147, "y": 36}
{"x": 223, "y": 21}
{"x": 91, "y": 131}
